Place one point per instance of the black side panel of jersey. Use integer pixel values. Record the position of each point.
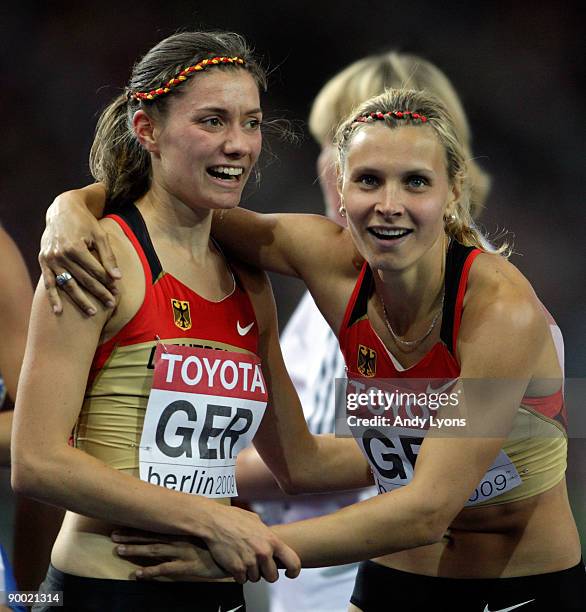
(455, 260)
(360, 307)
(133, 218)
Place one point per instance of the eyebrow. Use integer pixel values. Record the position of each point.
(220, 110)
(408, 170)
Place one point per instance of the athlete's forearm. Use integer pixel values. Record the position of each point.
(92, 197)
(334, 464)
(253, 238)
(381, 525)
(74, 480)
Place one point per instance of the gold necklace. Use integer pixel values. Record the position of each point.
(418, 341)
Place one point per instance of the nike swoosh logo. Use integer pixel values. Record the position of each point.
(430, 389)
(243, 331)
(509, 608)
(232, 610)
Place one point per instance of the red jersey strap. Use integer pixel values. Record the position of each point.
(357, 304)
(135, 243)
(133, 225)
(460, 296)
(458, 262)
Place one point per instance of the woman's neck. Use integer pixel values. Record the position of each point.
(171, 221)
(414, 294)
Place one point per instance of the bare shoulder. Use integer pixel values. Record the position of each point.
(502, 314)
(501, 286)
(116, 234)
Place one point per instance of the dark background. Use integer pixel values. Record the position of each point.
(517, 65)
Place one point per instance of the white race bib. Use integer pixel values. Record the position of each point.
(204, 407)
(501, 477)
(392, 460)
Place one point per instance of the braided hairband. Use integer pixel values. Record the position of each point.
(183, 76)
(370, 117)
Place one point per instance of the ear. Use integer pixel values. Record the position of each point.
(144, 128)
(454, 195)
(339, 180)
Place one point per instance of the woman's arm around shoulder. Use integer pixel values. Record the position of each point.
(71, 235)
(310, 247)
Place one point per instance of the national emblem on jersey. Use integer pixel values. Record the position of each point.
(366, 361)
(181, 314)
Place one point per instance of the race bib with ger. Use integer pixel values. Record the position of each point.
(392, 460)
(204, 407)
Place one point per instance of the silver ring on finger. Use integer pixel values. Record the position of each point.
(63, 278)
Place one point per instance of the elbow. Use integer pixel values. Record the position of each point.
(28, 474)
(23, 479)
(434, 524)
(296, 482)
(433, 531)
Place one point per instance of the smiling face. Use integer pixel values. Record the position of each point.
(205, 147)
(396, 192)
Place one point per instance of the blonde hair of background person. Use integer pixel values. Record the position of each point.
(394, 173)
(369, 77)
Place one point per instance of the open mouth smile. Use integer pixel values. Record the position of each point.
(226, 173)
(389, 234)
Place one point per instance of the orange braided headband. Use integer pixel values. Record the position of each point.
(370, 117)
(183, 76)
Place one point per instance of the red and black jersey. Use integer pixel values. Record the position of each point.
(120, 380)
(537, 443)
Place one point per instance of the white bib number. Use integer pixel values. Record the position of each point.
(392, 459)
(204, 407)
(501, 477)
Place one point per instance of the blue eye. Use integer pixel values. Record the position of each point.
(417, 182)
(368, 180)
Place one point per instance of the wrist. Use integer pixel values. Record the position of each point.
(202, 517)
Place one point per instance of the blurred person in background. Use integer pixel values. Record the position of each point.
(15, 303)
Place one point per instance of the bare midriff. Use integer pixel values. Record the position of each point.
(532, 536)
(84, 548)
